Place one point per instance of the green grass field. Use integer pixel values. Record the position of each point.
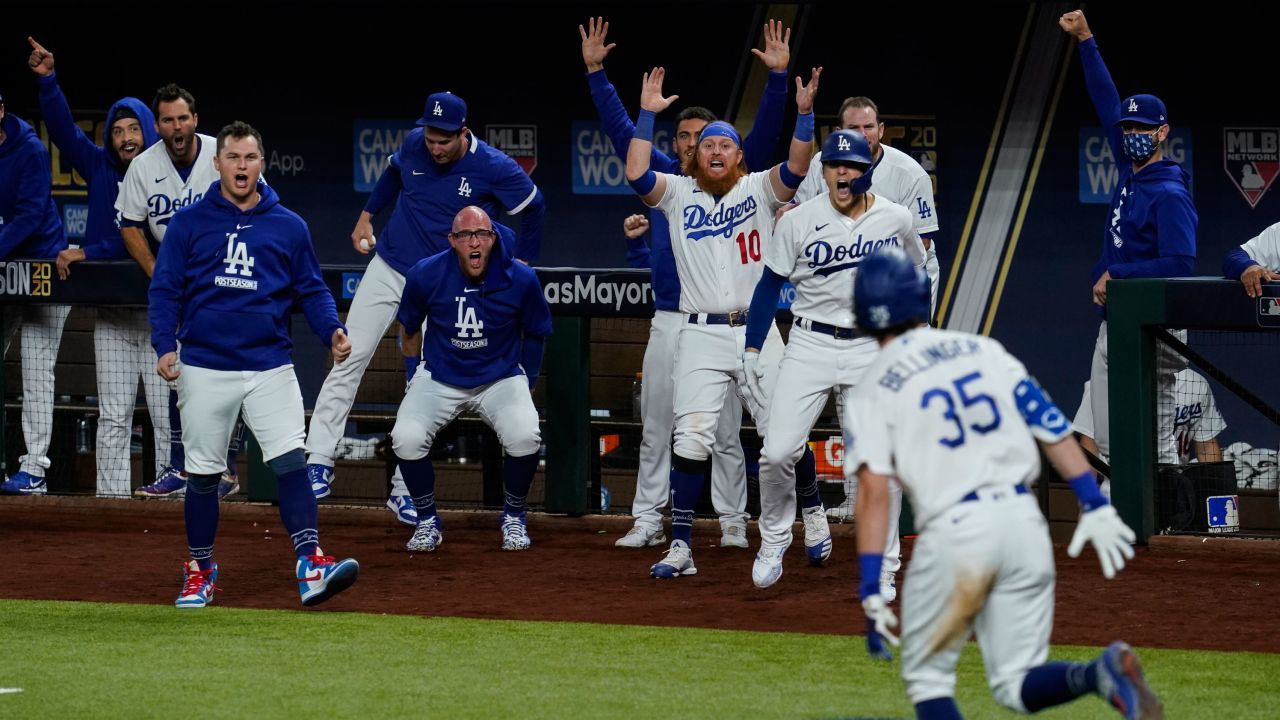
(88, 660)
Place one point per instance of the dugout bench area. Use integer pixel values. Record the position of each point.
(590, 432)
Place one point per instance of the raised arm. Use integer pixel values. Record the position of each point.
(1097, 78)
(613, 116)
(758, 146)
(786, 177)
(648, 185)
(63, 131)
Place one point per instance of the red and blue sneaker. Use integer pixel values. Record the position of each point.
(197, 586)
(320, 577)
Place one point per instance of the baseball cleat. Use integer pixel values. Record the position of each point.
(403, 507)
(640, 536)
(1121, 682)
(321, 477)
(817, 535)
(197, 586)
(734, 536)
(679, 561)
(320, 577)
(228, 485)
(768, 566)
(515, 536)
(170, 482)
(426, 536)
(23, 483)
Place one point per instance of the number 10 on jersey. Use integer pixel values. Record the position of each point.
(749, 246)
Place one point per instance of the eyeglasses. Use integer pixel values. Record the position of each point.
(465, 235)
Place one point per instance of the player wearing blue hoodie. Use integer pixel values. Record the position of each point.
(121, 341)
(1151, 228)
(230, 269)
(31, 228)
(487, 321)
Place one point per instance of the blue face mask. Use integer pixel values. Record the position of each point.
(1139, 146)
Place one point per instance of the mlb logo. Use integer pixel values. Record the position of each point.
(1268, 311)
(1251, 158)
(1223, 512)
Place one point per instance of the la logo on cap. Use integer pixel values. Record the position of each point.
(842, 144)
(437, 110)
(1133, 105)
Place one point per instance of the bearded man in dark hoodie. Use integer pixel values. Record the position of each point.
(121, 336)
(1151, 228)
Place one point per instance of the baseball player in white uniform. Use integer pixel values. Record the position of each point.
(898, 178)
(818, 248)
(1255, 262)
(955, 419)
(161, 180)
(228, 274)
(1195, 421)
(721, 222)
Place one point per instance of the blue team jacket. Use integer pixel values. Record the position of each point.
(226, 280)
(475, 330)
(99, 166)
(29, 223)
(429, 195)
(1151, 228)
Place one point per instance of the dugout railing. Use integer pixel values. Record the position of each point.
(577, 406)
(1145, 320)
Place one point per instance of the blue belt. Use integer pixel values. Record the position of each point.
(736, 318)
(1018, 489)
(838, 333)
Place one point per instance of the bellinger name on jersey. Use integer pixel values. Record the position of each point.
(897, 374)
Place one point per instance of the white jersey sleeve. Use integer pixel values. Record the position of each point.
(901, 179)
(131, 203)
(1265, 248)
(814, 184)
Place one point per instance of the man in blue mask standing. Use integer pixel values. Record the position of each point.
(1151, 228)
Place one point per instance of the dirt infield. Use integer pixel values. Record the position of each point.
(1178, 593)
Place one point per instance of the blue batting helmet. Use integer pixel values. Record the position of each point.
(888, 290)
(846, 146)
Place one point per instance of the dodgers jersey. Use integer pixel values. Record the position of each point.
(819, 250)
(226, 280)
(431, 195)
(896, 176)
(474, 330)
(718, 242)
(937, 409)
(153, 189)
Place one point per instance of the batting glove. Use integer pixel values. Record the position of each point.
(1108, 534)
(751, 380)
(880, 622)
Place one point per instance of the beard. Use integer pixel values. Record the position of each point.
(715, 186)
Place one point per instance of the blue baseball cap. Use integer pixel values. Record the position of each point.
(444, 111)
(1145, 109)
(720, 128)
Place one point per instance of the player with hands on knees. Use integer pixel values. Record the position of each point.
(955, 419)
(721, 220)
(230, 269)
(487, 321)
